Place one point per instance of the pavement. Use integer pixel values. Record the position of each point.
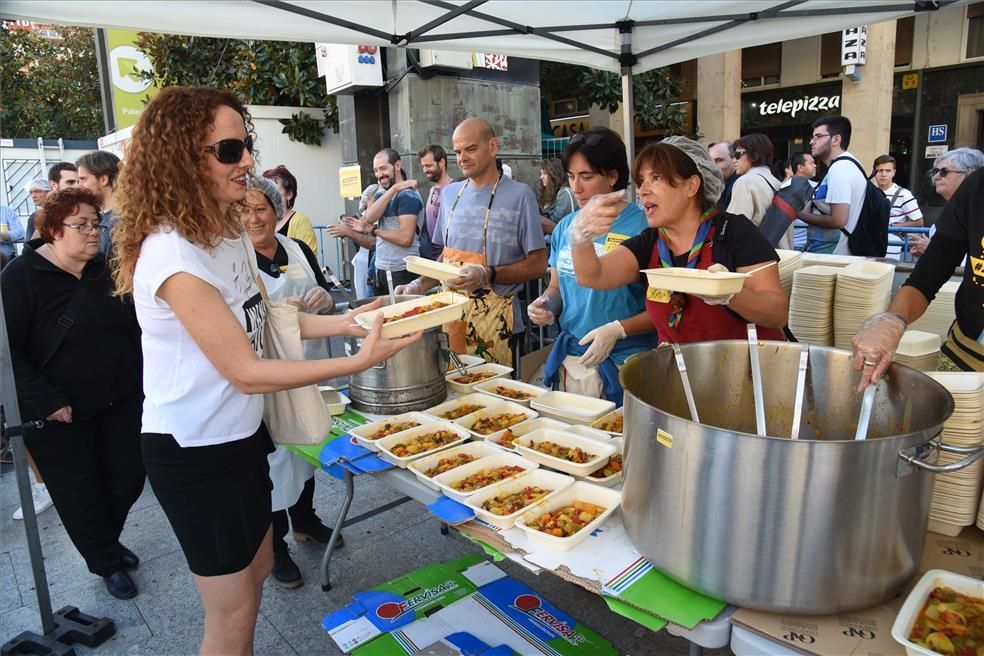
(166, 617)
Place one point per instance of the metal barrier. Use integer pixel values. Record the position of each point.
(903, 235)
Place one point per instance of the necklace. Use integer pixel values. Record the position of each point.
(488, 213)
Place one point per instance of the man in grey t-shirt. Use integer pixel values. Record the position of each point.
(489, 224)
(394, 213)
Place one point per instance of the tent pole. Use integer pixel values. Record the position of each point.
(628, 102)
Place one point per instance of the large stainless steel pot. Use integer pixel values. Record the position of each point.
(413, 379)
(821, 524)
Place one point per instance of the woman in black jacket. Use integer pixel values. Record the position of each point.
(84, 381)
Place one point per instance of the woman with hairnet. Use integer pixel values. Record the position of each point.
(679, 185)
(291, 274)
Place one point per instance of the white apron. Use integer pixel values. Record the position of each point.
(289, 472)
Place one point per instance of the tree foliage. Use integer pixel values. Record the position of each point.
(263, 72)
(49, 87)
(653, 92)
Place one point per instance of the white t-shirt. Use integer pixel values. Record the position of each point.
(185, 395)
(846, 184)
(905, 207)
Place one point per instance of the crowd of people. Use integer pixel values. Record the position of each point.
(136, 312)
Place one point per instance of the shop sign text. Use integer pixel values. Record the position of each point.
(805, 104)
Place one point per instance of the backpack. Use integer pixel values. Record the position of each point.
(870, 236)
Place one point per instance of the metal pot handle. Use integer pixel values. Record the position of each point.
(915, 457)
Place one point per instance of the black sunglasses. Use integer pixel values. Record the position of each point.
(592, 139)
(230, 151)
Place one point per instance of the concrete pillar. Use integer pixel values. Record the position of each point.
(868, 103)
(719, 97)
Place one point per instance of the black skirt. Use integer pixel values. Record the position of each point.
(217, 498)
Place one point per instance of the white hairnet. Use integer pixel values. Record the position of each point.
(37, 184)
(709, 172)
(269, 189)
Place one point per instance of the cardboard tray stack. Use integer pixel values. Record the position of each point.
(789, 262)
(919, 350)
(811, 304)
(863, 290)
(940, 313)
(956, 496)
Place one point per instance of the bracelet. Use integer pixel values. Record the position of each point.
(492, 276)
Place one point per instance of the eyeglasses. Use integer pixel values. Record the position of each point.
(818, 136)
(592, 139)
(944, 172)
(85, 228)
(740, 153)
(230, 151)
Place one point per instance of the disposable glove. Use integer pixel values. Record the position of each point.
(543, 311)
(473, 276)
(602, 340)
(874, 346)
(596, 217)
(716, 300)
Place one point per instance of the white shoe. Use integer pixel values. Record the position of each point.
(42, 501)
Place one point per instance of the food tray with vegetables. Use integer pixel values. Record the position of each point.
(510, 390)
(504, 439)
(461, 407)
(429, 467)
(502, 504)
(465, 384)
(612, 423)
(369, 434)
(569, 517)
(416, 314)
(401, 448)
(944, 614)
(491, 471)
(609, 474)
(571, 454)
(496, 418)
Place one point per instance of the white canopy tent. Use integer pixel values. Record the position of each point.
(627, 36)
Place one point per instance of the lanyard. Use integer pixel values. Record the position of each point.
(666, 259)
(488, 213)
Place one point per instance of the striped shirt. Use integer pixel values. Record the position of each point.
(905, 207)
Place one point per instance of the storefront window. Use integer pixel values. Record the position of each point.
(975, 30)
(761, 65)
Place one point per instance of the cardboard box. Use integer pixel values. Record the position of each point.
(867, 632)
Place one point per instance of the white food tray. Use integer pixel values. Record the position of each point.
(696, 281)
(917, 599)
(619, 412)
(546, 480)
(468, 360)
(430, 319)
(489, 386)
(430, 268)
(483, 400)
(477, 449)
(334, 400)
(362, 433)
(386, 443)
(579, 491)
(573, 407)
(588, 432)
(614, 479)
(499, 371)
(446, 481)
(497, 408)
(600, 450)
(528, 426)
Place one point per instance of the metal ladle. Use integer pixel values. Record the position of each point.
(867, 402)
(682, 368)
(753, 355)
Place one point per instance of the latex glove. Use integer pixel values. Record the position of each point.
(539, 311)
(473, 276)
(602, 340)
(917, 245)
(315, 299)
(716, 300)
(596, 217)
(410, 289)
(874, 346)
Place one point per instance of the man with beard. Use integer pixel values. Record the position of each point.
(489, 225)
(393, 217)
(434, 161)
(97, 173)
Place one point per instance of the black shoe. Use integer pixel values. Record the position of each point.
(316, 532)
(285, 572)
(120, 585)
(129, 559)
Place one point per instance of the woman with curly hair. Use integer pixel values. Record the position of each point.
(556, 200)
(83, 380)
(181, 253)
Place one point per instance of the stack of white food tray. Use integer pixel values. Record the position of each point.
(571, 408)
(828, 259)
(940, 313)
(334, 400)
(789, 262)
(957, 495)
(863, 290)
(919, 350)
(465, 383)
(417, 314)
(811, 304)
